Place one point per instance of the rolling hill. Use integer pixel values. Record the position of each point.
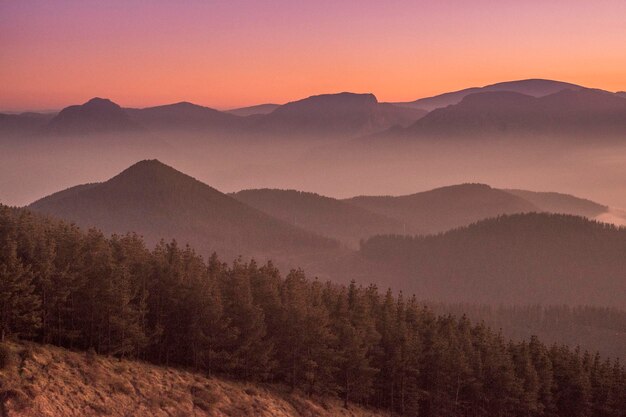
(445, 208)
(157, 201)
(327, 216)
(530, 87)
(517, 259)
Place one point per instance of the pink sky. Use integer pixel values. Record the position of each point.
(232, 53)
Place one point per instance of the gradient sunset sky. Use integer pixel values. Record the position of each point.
(233, 53)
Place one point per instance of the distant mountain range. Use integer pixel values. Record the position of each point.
(526, 107)
(343, 115)
(531, 87)
(570, 113)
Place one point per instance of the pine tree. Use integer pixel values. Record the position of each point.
(19, 305)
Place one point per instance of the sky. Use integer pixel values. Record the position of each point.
(233, 53)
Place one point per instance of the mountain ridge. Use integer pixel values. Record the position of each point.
(157, 201)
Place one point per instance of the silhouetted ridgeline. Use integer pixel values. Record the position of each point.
(514, 259)
(81, 290)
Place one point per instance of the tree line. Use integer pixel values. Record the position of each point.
(82, 290)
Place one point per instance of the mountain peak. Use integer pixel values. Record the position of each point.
(151, 170)
(98, 102)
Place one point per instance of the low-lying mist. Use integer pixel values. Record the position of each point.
(30, 169)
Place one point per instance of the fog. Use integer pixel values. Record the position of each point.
(31, 169)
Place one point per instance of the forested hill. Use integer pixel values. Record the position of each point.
(512, 259)
(327, 216)
(157, 201)
(444, 208)
(61, 286)
(552, 202)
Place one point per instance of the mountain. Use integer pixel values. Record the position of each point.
(98, 115)
(561, 203)
(336, 115)
(23, 123)
(157, 201)
(318, 214)
(530, 87)
(183, 116)
(254, 110)
(568, 113)
(516, 259)
(621, 93)
(444, 208)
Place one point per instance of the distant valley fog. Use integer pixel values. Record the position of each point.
(347, 168)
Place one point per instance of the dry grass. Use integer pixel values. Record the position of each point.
(49, 381)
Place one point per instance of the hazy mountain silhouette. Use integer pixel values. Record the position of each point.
(621, 93)
(516, 259)
(23, 123)
(561, 203)
(183, 116)
(254, 110)
(567, 113)
(98, 115)
(157, 201)
(445, 208)
(324, 215)
(530, 87)
(343, 114)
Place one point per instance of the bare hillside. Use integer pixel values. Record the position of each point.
(48, 381)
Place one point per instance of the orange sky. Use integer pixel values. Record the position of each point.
(233, 53)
